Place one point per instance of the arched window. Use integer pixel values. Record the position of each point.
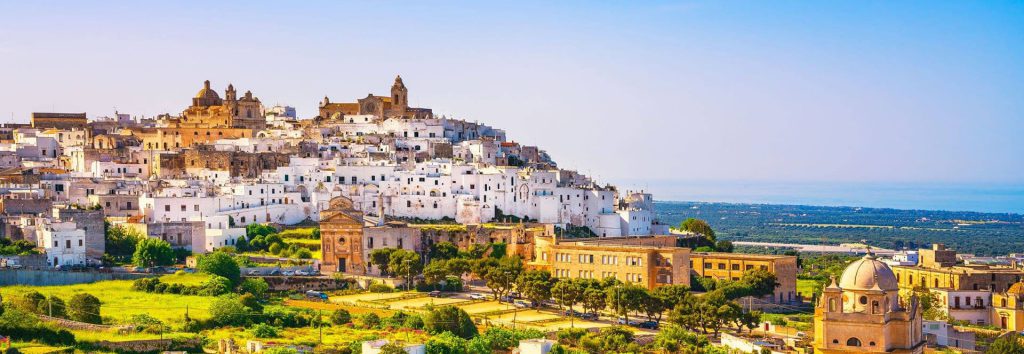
(874, 307)
(831, 305)
(871, 344)
(853, 342)
(936, 282)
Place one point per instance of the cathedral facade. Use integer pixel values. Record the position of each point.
(396, 105)
(208, 110)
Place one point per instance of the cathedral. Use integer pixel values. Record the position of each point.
(863, 313)
(394, 106)
(208, 110)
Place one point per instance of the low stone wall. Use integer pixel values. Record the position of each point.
(69, 324)
(148, 345)
(53, 277)
(283, 283)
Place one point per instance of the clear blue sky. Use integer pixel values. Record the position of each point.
(929, 91)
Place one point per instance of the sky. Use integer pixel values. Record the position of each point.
(782, 91)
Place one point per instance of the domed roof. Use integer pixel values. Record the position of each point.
(1016, 289)
(206, 92)
(868, 273)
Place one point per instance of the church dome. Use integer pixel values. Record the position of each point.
(206, 92)
(1016, 289)
(868, 273)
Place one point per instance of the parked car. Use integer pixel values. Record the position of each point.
(478, 296)
(288, 273)
(434, 293)
(302, 272)
(648, 325)
(622, 321)
(572, 313)
(521, 304)
(316, 295)
(253, 272)
(589, 316)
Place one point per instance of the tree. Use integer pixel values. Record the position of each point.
(567, 292)
(255, 286)
(699, 227)
(446, 343)
(449, 318)
(593, 300)
(626, 298)
(151, 252)
(340, 317)
(653, 306)
(53, 306)
(381, 258)
(501, 274)
(84, 307)
(724, 246)
(254, 230)
(263, 330)
(435, 272)
(443, 250)
(220, 263)
(215, 286)
(672, 295)
(1007, 344)
(535, 285)
(228, 310)
(121, 240)
(407, 264)
(370, 320)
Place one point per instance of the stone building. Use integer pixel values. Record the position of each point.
(1008, 308)
(863, 313)
(937, 268)
(62, 121)
(731, 266)
(341, 238)
(647, 262)
(208, 110)
(396, 105)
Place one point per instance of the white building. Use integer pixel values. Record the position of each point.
(63, 242)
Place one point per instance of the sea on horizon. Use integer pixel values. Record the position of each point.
(986, 198)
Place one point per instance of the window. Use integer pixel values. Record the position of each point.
(735, 267)
(853, 342)
(863, 300)
(167, 207)
(707, 265)
(721, 265)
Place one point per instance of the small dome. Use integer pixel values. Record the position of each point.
(868, 273)
(1016, 289)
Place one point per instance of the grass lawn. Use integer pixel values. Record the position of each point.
(119, 301)
(806, 288)
(331, 306)
(421, 302)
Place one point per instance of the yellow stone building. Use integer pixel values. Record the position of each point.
(863, 313)
(937, 268)
(654, 263)
(1008, 308)
(731, 266)
(396, 105)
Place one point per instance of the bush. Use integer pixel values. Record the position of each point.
(380, 288)
(340, 317)
(53, 306)
(228, 310)
(21, 325)
(450, 319)
(370, 320)
(264, 330)
(216, 285)
(160, 288)
(174, 288)
(255, 286)
(303, 253)
(84, 307)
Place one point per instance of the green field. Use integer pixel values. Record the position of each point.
(120, 302)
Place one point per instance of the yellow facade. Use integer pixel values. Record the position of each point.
(957, 277)
(1008, 308)
(731, 266)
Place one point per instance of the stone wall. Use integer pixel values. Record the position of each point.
(282, 283)
(53, 277)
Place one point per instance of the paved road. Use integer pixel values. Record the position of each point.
(816, 248)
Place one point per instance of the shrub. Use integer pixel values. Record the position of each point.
(174, 288)
(160, 288)
(84, 307)
(228, 310)
(340, 317)
(264, 330)
(450, 319)
(255, 286)
(380, 288)
(53, 306)
(370, 320)
(216, 285)
(303, 253)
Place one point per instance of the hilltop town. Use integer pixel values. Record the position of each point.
(375, 226)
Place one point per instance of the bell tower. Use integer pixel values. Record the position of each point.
(399, 96)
